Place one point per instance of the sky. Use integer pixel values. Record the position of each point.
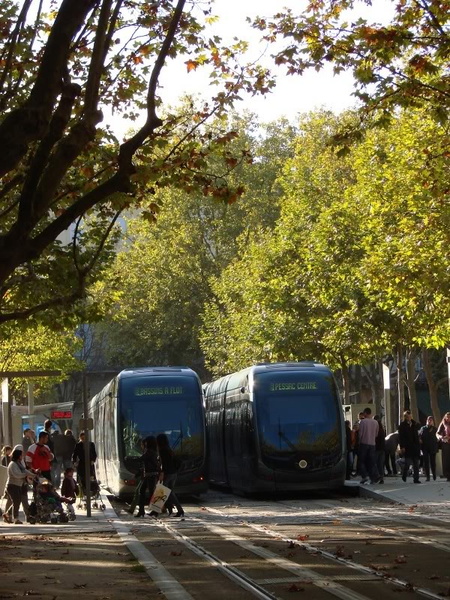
(293, 94)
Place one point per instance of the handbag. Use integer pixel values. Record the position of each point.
(159, 498)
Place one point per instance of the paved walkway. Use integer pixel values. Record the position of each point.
(99, 521)
(428, 493)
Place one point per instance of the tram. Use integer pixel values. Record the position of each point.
(148, 401)
(275, 427)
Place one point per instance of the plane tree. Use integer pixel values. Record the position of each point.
(154, 294)
(357, 265)
(402, 63)
(63, 67)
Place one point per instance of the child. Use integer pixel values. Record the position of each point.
(6, 455)
(52, 498)
(70, 489)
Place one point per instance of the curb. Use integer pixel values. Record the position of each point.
(366, 492)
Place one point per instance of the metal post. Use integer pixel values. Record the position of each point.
(6, 413)
(31, 402)
(87, 443)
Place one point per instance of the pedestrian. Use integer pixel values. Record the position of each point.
(39, 456)
(356, 441)
(368, 431)
(28, 439)
(64, 449)
(430, 445)
(48, 430)
(136, 467)
(170, 465)
(6, 455)
(380, 448)
(68, 448)
(443, 434)
(70, 489)
(17, 487)
(26, 507)
(349, 437)
(409, 442)
(79, 460)
(57, 463)
(390, 450)
(151, 471)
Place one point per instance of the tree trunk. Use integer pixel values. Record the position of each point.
(432, 387)
(373, 377)
(411, 356)
(400, 383)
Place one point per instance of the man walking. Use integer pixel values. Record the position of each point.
(368, 431)
(409, 442)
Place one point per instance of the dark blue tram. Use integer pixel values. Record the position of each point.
(147, 401)
(276, 427)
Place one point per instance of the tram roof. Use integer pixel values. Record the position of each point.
(236, 378)
(155, 371)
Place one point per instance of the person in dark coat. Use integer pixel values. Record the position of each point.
(48, 430)
(151, 471)
(169, 470)
(409, 442)
(427, 435)
(79, 460)
(349, 449)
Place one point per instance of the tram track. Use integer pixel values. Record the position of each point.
(352, 564)
(223, 526)
(389, 530)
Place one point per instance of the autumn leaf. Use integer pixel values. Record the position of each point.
(191, 65)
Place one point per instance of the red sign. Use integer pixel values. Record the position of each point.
(61, 414)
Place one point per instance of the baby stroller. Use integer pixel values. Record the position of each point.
(47, 506)
(94, 487)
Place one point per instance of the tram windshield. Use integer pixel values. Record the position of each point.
(297, 412)
(149, 406)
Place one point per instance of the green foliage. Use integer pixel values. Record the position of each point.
(401, 64)
(60, 71)
(156, 291)
(358, 261)
(34, 348)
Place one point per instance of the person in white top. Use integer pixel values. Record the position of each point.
(368, 431)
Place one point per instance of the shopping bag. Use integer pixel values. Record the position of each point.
(159, 497)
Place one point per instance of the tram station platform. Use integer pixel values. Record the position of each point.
(427, 493)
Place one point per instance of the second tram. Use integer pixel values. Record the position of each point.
(143, 402)
(276, 427)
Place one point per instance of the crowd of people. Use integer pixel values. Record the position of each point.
(372, 455)
(44, 465)
(38, 463)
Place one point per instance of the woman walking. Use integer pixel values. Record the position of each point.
(16, 487)
(150, 474)
(443, 434)
(169, 470)
(427, 435)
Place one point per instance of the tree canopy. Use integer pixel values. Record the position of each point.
(62, 65)
(400, 64)
(154, 294)
(356, 264)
